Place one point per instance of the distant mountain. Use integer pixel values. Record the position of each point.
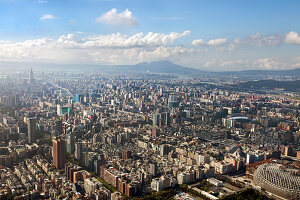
(162, 67)
(290, 72)
(148, 67)
(145, 67)
(152, 67)
(293, 86)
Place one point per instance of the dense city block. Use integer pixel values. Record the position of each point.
(68, 135)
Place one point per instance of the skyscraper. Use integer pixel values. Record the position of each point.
(31, 124)
(156, 119)
(59, 151)
(78, 150)
(70, 142)
(172, 102)
(58, 127)
(31, 77)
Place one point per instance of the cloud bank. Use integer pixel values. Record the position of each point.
(117, 48)
(102, 49)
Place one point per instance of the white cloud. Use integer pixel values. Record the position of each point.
(217, 42)
(292, 38)
(247, 64)
(47, 16)
(266, 63)
(198, 42)
(233, 63)
(112, 17)
(213, 42)
(118, 48)
(210, 63)
(257, 39)
(263, 40)
(226, 64)
(103, 49)
(119, 40)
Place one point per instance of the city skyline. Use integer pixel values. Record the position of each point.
(150, 99)
(206, 35)
(123, 136)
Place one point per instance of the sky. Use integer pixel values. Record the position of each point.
(212, 35)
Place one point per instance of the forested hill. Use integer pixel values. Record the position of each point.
(293, 86)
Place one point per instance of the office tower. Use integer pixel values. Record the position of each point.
(78, 98)
(31, 77)
(153, 169)
(164, 150)
(165, 118)
(59, 150)
(172, 102)
(78, 150)
(172, 98)
(16, 99)
(156, 119)
(68, 144)
(58, 127)
(70, 140)
(31, 124)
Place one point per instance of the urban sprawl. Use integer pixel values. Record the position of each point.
(67, 135)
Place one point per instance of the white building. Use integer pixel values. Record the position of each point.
(215, 182)
(91, 184)
(159, 184)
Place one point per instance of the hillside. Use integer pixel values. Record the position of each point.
(273, 84)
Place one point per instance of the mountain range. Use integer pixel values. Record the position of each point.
(146, 67)
(171, 68)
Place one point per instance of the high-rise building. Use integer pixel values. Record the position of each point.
(156, 119)
(78, 150)
(172, 98)
(165, 118)
(31, 124)
(70, 140)
(31, 80)
(153, 169)
(58, 127)
(172, 102)
(59, 151)
(163, 150)
(78, 98)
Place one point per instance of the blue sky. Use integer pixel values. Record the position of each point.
(205, 34)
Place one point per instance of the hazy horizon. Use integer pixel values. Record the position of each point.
(205, 35)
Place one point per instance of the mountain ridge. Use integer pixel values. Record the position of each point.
(272, 84)
(163, 66)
